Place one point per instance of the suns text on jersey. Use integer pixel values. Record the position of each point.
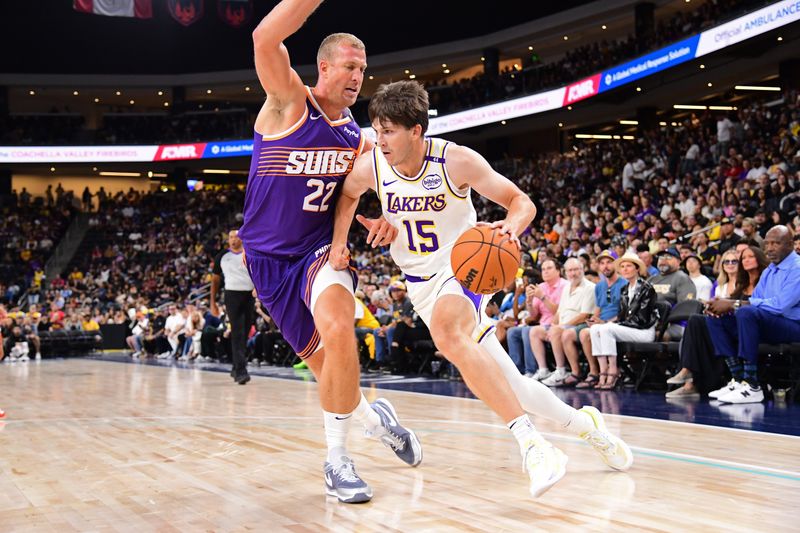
(410, 204)
(316, 162)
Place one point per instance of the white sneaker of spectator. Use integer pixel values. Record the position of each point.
(38, 356)
(556, 379)
(541, 374)
(743, 394)
(731, 386)
(19, 352)
(165, 355)
(136, 355)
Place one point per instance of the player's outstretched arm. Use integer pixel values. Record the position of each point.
(468, 168)
(355, 184)
(277, 77)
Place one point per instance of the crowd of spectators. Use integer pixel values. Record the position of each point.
(149, 249)
(30, 228)
(158, 128)
(691, 203)
(126, 127)
(141, 252)
(54, 128)
(681, 204)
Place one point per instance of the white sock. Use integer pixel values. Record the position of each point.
(535, 397)
(523, 431)
(366, 415)
(336, 428)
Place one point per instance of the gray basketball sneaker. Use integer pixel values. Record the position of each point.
(343, 482)
(402, 441)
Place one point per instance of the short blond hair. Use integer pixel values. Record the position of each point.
(333, 40)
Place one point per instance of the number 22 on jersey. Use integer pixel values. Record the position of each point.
(320, 188)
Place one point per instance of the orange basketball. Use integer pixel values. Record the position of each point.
(484, 260)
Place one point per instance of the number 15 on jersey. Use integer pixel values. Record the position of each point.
(421, 239)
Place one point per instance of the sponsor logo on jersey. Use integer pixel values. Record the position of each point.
(431, 181)
(414, 204)
(316, 162)
(350, 132)
(322, 250)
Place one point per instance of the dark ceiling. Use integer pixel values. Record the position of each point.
(48, 37)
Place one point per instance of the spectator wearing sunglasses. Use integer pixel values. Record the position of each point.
(726, 281)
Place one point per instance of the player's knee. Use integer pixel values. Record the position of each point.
(449, 339)
(334, 325)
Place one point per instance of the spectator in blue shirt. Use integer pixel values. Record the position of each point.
(643, 251)
(606, 297)
(771, 316)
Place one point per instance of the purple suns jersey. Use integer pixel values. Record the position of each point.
(295, 179)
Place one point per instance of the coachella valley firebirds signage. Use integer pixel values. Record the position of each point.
(235, 13)
(186, 12)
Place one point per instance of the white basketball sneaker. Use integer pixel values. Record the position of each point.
(613, 450)
(545, 465)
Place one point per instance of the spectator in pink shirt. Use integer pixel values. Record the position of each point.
(544, 304)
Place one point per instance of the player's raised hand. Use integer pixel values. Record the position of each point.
(380, 233)
(505, 228)
(339, 258)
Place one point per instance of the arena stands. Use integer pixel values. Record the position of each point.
(30, 229)
(448, 97)
(221, 119)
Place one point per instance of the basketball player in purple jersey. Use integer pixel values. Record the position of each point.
(305, 144)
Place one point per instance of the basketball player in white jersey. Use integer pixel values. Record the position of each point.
(424, 185)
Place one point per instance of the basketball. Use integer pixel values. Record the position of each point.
(484, 260)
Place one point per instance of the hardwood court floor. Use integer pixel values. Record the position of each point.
(101, 446)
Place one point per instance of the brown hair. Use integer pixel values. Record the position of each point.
(743, 276)
(333, 40)
(404, 103)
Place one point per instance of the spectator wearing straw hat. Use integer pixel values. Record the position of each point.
(635, 323)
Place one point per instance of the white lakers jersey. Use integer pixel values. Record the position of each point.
(427, 209)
